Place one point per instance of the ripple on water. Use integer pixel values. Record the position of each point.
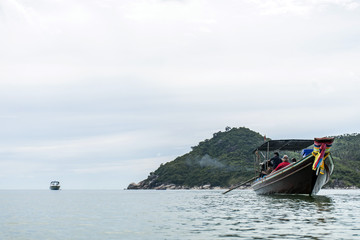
(172, 215)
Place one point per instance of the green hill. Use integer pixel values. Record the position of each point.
(227, 159)
(346, 154)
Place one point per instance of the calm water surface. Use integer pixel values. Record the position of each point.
(155, 215)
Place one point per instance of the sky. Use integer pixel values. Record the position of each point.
(98, 93)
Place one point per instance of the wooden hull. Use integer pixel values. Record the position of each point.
(297, 178)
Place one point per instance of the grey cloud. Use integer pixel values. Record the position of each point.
(107, 82)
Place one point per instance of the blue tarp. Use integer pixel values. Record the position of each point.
(306, 152)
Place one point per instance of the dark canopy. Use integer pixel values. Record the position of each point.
(285, 145)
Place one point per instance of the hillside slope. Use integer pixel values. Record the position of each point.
(223, 160)
(346, 154)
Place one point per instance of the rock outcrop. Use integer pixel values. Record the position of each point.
(148, 185)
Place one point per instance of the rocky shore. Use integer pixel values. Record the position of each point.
(144, 185)
(138, 186)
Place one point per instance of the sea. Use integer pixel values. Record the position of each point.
(177, 214)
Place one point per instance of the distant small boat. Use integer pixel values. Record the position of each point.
(306, 176)
(54, 185)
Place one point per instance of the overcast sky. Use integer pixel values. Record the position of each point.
(98, 93)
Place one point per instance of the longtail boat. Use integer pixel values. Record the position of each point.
(306, 176)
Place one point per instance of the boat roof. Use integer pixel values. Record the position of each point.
(285, 145)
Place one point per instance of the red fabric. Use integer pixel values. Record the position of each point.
(281, 165)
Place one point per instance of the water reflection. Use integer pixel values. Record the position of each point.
(279, 216)
(299, 197)
(298, 202)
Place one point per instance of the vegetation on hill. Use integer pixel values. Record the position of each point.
(346, 154)
(223, 160)
(227, 159)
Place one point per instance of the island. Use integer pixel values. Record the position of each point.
(227, 159)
